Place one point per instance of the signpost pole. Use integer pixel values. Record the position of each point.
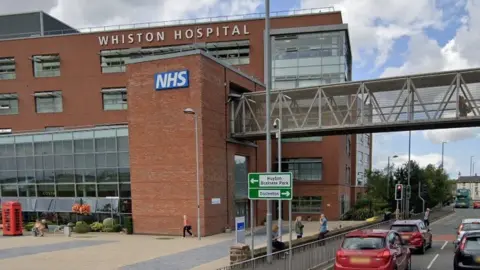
(252, 230)
(278, 122)
(290, 267)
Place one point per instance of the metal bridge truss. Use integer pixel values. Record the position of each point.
(425, 101)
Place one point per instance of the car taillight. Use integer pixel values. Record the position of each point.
(385, 254)
(462, 244)
(416, 235)
(341, 255)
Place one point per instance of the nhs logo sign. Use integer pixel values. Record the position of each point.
(171, 80)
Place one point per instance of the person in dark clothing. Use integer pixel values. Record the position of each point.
(277, 244)
(187, 228)
(463, 107)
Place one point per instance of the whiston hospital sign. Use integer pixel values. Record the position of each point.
(181, 34)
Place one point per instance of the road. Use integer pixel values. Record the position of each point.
(440, 256)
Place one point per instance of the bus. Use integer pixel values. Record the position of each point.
(463, 198)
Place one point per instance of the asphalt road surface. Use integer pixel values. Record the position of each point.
(440, 256)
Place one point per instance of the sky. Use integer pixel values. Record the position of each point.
(388, 38)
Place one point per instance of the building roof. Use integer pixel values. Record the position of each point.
(67, 30)
(469, 179)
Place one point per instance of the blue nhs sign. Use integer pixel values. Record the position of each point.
(171, 80)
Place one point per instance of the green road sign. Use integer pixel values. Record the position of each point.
(270, 186)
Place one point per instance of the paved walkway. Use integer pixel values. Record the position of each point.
(116, 251)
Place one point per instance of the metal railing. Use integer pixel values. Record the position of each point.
(318, 254)
(204, 20)
(307, 256)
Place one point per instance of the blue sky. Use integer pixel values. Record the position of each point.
(388, 37)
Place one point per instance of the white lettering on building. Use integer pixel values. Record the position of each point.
(182, 34)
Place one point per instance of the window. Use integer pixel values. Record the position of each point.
(363, 243)
(347, 175)
(113, 61)
(307, 204)
(114, 99)
(241, 177)
(8, 104)
(48, 102)
(303, 139)
(304, 169)
(46, 65)
(348, 138)
(7, 68)
(233, 52)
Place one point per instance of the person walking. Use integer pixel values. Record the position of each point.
(426, 217)
(187, 228)
(299, 227)
(323, 228)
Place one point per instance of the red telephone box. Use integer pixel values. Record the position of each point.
(12, 219)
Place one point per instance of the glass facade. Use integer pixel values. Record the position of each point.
(310, 59)
(49, 172)
(303, 169)
(307, 204)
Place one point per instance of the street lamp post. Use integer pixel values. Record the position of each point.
(388, 175)
(278, 123)
(407, 200)
(195, 118)
(471, 163)
(443, 148)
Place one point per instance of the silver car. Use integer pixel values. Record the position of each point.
(467, 225)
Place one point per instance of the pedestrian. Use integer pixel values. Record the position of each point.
(323, 228)
(299, 227)
(277, 244)
(187, 228)
(426, 217)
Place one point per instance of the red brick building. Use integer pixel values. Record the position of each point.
(88, 92)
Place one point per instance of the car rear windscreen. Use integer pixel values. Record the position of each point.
(363, 243)
(471, 226)
(404, 228)
(472, 243)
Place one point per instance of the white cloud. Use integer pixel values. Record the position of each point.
(376, 25)
(422, 160)
(451, 135)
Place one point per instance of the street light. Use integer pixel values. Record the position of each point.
(443, 148)
(277, 123)
(388, 175)
(471, 163)
(195, 118)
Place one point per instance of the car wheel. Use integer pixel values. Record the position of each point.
(423, 248)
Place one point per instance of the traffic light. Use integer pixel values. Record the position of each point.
(409, 192)
(398, 192)
(424, 190)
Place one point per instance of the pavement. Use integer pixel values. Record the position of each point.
(128, 252)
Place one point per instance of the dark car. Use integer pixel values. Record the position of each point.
(373, 250)
(467, 253)
(415, 233)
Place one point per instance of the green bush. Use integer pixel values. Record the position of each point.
(82, 227)
(129, 224)
(96, 227)
(109, 222)
(117, 228)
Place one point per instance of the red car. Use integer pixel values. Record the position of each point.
(415, 233)
(476, 205)
(373, 249)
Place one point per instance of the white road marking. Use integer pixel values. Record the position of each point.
(446, 242)
(433, 222)
(328, 267)
(431, 263)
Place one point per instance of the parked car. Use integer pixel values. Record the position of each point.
(467, 253)
(476, 205)
(415, 232)
(373, 249)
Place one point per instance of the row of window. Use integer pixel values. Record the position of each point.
(52, 101)
(64, 205)
(66, 190)
(112, 61)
